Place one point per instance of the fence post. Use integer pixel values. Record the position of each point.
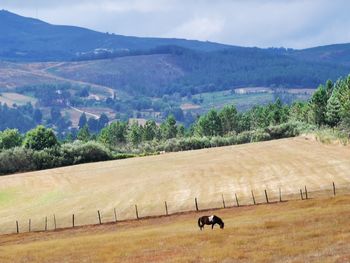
(17, 227)
(253, 197)
(196, 203)
(333, 189)
(45, 223)
(267, 198)
(306, 196)
(29, 225)
(280, 194)
(73, 221)
(237, 200)
(166, 208)
(115, 215)
(54, 221)
(223, 201)
(301, 195)
(137, 212)
(99, 217)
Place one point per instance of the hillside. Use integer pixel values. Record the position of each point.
(177, 178)
(297, 231)
(176, 65)
(29, 39)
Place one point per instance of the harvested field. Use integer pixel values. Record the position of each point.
(177, 178)
(298, 231)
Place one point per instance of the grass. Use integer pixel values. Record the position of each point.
(332, 136)
(315, 230)
(177, 178)
(15, 98)
(241, 101)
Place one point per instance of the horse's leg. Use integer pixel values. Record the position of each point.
(212, 226)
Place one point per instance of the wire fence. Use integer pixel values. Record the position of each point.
(138, 211)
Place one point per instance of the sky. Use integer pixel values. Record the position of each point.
(261, 23)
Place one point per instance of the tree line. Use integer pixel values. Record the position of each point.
(40, 147)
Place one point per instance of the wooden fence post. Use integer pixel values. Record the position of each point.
(45, 223)
(280, 194)
(29, 225)
(99, 217)
(166, 208)
(223, 201)
(17, 227)
(253, 197)
(196, 203)
(237, 200)
(137, 212)
(333, 189)
(115, 215)
(54, 221)
(73, 221)
(267, 198)
(301, 195)
(306, 195)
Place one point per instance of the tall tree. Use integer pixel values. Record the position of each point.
(149, 130)
(228, 117)
(318, 104)
(40, 138)
(333, 110)
(135, 133)
(209, 124)
(84, 134)
(82, 121)
(113, 134)
(102, 121)
(168, 128)
(10, 138)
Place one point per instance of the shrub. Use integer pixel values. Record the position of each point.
(79, 152)
(16, 160)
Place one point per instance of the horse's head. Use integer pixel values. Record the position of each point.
(222, 225)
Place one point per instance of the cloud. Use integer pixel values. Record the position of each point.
(200, 28)
(289, 23)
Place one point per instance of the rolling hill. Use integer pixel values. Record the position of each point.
(177, 178)
(29, 39)
(295, 231)
(158, 66)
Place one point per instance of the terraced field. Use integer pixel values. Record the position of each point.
(177, 178)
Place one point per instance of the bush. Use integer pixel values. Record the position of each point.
(259, 136)
(16, 160)
(79, 152)
(244, 137)
(285, 130)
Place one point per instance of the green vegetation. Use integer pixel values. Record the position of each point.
(328, 108)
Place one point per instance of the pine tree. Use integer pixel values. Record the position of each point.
(82, 121)
(318, 104)
(84, 134)
(333, 110)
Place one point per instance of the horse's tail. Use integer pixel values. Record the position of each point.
(199, 222)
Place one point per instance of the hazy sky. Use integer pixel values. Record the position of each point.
(263, 23)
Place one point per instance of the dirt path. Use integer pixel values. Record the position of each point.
(87, 113)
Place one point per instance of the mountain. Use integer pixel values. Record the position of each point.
(28, 39)
(157, 66)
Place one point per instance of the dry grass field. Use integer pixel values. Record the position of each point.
(315, 230)
(177, 178)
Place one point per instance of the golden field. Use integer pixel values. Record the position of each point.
(177, 178)
(315, 230)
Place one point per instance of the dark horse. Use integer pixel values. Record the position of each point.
(210, 220)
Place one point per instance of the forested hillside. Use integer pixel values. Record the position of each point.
(120, 78)
(329, 107)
